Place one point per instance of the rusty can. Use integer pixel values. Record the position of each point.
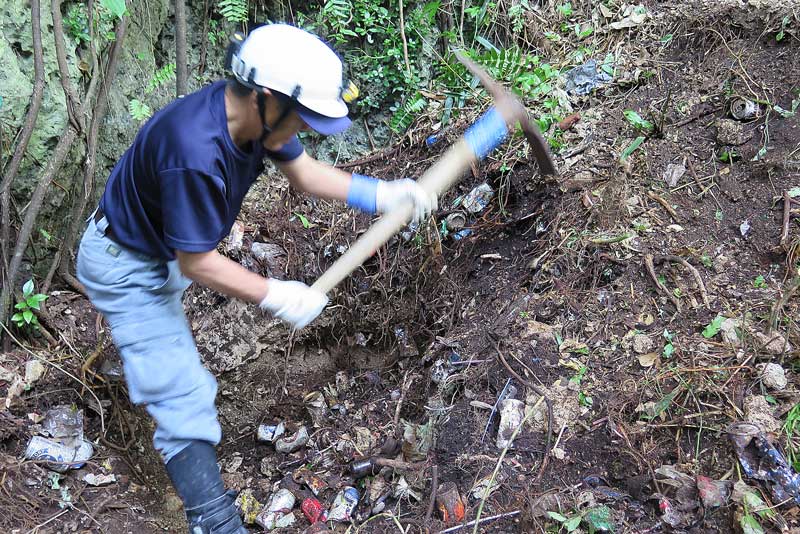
(344, 505)
(449, 503)
(313, 510)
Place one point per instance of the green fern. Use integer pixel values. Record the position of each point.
(404, 116)
(160, 77)
(337, 16)
(139, 110)
(233, 10)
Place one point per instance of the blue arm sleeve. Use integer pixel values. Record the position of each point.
(288, 152)
(488, 132)
(194, 209)
(362, 193)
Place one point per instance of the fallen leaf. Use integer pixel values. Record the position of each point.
(647, 360)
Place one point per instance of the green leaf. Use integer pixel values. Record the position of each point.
(713, 327)
(599, 519)
(662, 405)
(39, 297)
(21, 306)
(666, 39)
(303, 220)
(116, 7)
(139, 110)
(28, 316)
(558, 517)
(572, 523)
(17, 318)
(637, 121)
(793, 192)
(669, 349)
(486, 43)
(632, 148)
(33, 303)
(27, 289)
(750, 525)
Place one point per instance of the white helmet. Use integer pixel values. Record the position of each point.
(297, 64)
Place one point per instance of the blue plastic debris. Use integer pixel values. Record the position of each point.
(762, 461)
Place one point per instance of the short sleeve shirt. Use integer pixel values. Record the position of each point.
(181, 184)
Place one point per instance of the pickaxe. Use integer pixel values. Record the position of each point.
(478, 141)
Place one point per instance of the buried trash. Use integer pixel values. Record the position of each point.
(762, 461)
(450, 503)
(278, 511)
(583, 79)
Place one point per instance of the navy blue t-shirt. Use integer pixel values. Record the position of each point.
(181, 184)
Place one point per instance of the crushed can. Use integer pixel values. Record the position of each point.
(364, 467)
(512, 412)
(743, 109)
(59, 458)
(270, 433)
(344, 505)
(278, 511)
(291, 443)
(313, 510)
(450, 503)
(477, 199)
(315, 483)
(456, 221)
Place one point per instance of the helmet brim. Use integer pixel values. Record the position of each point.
(322, 124)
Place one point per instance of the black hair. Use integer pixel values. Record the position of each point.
(238, 88)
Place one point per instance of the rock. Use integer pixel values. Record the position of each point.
(566, 407)
(642, 343)
(728, 329)
(673, 174)
(757, 410)
(269, 255)
(34, 369)
(772, 376)
(773, 343)
(731, 132)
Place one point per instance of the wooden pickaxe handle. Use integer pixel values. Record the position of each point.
(448, 170)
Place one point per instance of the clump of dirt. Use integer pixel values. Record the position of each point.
(599, 287)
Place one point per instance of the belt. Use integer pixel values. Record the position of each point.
(109, 232)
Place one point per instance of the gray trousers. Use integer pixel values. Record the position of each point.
(140, 298)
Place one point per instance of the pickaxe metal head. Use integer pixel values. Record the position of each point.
(512, 110)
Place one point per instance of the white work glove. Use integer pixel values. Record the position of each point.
(389, 195)
(294, 302)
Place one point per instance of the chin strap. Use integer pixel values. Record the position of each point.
(288, 107)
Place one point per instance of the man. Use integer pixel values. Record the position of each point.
(173, 197)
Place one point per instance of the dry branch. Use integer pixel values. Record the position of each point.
(22, 146)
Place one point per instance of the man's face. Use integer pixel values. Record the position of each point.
(288, 128)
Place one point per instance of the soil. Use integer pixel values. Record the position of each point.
(553, 279)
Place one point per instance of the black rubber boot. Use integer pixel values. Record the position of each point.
(195, 475)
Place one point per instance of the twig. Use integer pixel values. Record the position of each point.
(695, 273)
(403, 38)
(497, 469)
(48, 362)
(432, 502)
(547, 403)
(787, 209)
(484, 520)
(693, 118)
(369, 159)
(289, 348)
(666, 206)
(648, 262)
(396, 420)
(399, 464)
(781, 302)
